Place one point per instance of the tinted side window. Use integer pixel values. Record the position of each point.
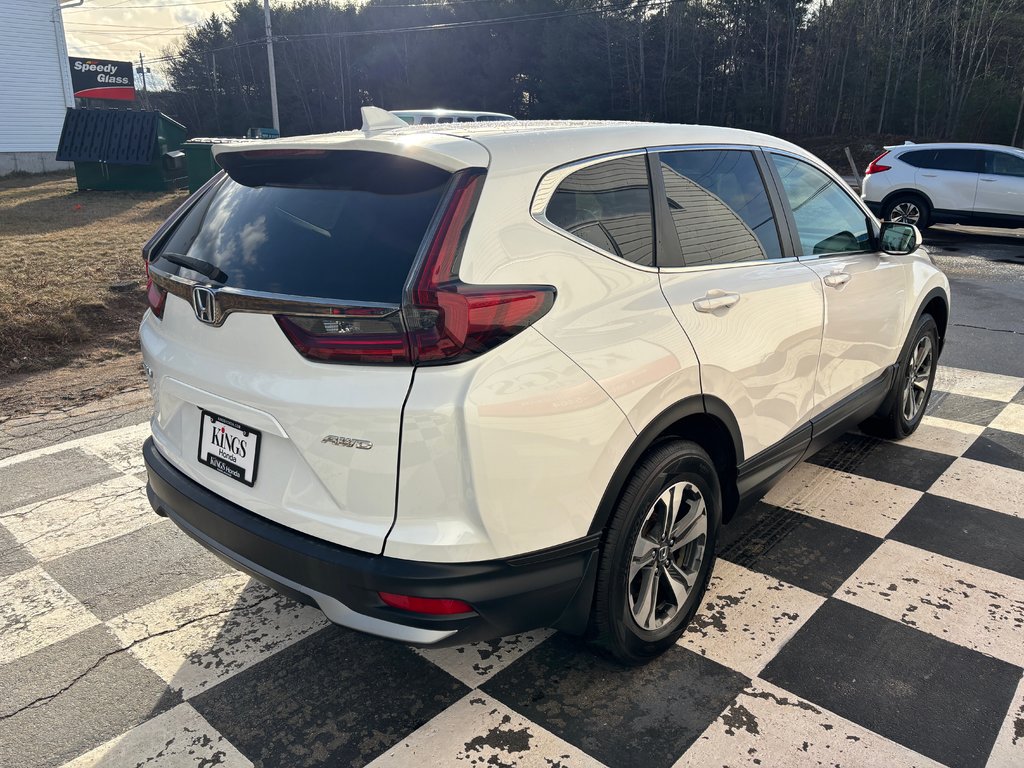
(609, 206)
(967, 160)
(427, 120)
(827, 219)
(1004, 164)
(919, 158)
(719, 206)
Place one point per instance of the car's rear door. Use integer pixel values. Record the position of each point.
(865, 290)
(950, 178)
(752, 312)
(276, 366)
(1001, 185)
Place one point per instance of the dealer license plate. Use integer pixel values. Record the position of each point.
(230, 448)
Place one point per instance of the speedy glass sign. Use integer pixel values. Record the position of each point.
(102, 79)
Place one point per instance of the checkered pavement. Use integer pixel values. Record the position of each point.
(870, 611)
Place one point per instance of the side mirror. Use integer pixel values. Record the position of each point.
(899, 239)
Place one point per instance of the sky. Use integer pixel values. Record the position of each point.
(121, 29)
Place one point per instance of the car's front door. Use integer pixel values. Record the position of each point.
(865, 289)
(1001, 185)
(752, 312)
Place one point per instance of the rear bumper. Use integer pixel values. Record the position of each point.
(551, 588)
(875, 208)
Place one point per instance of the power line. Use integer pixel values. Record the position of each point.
(119, 42)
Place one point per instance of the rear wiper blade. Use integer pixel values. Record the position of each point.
(196, 265)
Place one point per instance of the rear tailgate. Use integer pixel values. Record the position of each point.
(314, 245)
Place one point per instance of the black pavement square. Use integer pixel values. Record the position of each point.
(638, 716)
(50, 475)
(812, 554)
(130, 571)
(942, 700)
(972, 410)
(885, 461)
(997, 447)
(963, 532)
(74, 695)
(335, 698)
(13, 556)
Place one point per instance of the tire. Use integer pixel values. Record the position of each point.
(639, 614)
(915, 377)
(908, 208)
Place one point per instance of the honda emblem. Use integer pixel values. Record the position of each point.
(204, 302)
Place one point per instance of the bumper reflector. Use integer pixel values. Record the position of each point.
(430, 605)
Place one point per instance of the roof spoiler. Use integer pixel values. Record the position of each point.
(896, 146)
(376, 120)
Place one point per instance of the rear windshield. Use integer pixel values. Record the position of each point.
(333, 225)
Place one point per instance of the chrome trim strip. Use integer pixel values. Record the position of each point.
(729, 265)
(229, 300)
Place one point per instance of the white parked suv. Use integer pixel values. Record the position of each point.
(925, 184)
(451, 383)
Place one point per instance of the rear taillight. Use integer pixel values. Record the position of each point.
(449, 320)
(875, 167)
(442, 320)
(155, 295)
(351, 335)
(433, 606)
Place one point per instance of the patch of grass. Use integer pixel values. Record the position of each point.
(71, 273)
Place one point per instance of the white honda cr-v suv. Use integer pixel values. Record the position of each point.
(925, 184)
(450, 383)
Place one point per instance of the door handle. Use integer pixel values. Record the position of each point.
(988, 180)
(930, 175)
(836, 279)
(715, 299)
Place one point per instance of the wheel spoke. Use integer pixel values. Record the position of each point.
(673, 500)
(691, 527)
(646, 602)
(644, 553)
(677, 581)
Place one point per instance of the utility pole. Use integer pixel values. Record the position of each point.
(270, 65)
(142, 70)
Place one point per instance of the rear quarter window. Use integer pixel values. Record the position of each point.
(608, 204)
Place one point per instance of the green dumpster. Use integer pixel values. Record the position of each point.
(199, 161)
(121, 149)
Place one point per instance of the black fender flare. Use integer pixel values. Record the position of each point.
(694, 405)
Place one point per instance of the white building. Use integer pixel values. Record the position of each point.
(35, 84)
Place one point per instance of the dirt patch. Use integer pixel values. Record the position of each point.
(72, 288)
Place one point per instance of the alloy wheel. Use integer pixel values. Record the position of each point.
(667, 556)
(905, 213)
(915, 388)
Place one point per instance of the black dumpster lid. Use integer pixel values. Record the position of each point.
(126, 137)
